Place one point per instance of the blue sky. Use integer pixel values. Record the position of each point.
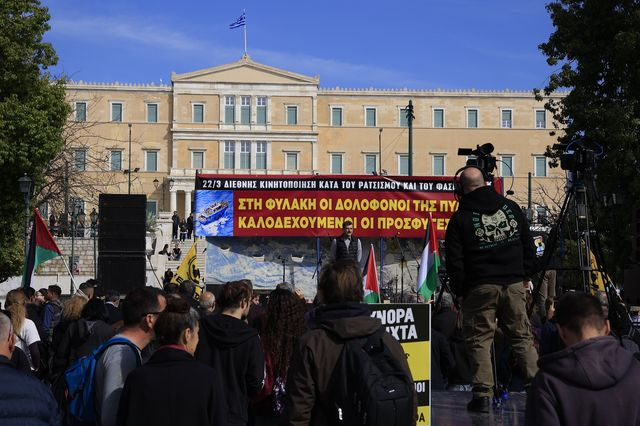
(427, 44)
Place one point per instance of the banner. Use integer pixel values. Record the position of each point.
(316, 206)
(410, 325)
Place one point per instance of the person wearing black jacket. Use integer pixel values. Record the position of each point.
(172, 388)
(233, 349)
(490, 257)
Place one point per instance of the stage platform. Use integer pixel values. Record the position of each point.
(450, 409)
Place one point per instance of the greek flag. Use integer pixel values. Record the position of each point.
(240, 22)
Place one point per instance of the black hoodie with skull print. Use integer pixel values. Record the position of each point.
(488, 242)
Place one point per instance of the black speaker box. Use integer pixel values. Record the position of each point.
(122, 223)
(122, 273)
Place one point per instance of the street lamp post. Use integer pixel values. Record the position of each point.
(74, 219)
(94, 222)
(129, 192)
(26, 183)
(380, 151)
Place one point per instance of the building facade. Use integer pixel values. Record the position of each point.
(249, 118)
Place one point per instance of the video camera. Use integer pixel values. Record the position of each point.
(576, 159)
(483, 158)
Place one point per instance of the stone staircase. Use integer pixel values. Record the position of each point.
(201, 256)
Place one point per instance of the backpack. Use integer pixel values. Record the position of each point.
(79, 380)
(369, 387)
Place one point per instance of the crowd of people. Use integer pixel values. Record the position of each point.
(172, 356)
(166, 358)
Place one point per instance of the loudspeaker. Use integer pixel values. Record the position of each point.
(122, 223)
(123, 273)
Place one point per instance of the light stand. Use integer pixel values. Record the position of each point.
(26, 184)
(94, 223)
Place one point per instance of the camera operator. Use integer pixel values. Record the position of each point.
(489, 257)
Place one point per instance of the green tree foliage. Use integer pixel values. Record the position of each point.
(595, 49)
(33, 112)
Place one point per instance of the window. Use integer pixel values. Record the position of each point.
(245, 109)
(229, 109)
(229, 155)
(151, 161)
(81, 111)
(261, 155)
(152, 113)
(370, 163)
(336, 164)
(336, 116)
(292, 161)
(198, 113)
(404, 121)
(438, 165)
(370, 117)
(261, 111)
(116, 111)
(507, 165)
(292, 114)
(403, 164)
(197, 160)
(438, 118)
(540, 166)
(115, 160)
(472, 118)
(245, 155)
(541, 119)
(152, 208)
(80, 160)
(505, 118)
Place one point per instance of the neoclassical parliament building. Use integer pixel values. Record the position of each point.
(250, 118)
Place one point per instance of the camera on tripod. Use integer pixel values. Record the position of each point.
(579, 159)
(483, 158)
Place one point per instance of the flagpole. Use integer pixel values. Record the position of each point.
(73, 283)
(244, 12)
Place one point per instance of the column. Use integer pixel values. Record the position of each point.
(187, 203)
(173, 201)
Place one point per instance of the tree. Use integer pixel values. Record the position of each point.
(596, 44)
(33, 112)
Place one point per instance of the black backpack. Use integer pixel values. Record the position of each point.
(369, 387)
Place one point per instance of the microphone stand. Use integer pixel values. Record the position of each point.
(402, 260)
(284, 261)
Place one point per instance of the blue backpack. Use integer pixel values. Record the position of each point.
(79, 379)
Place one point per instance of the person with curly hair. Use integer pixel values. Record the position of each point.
(24, 329)
(284, 323)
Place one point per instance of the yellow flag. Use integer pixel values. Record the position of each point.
(597, 277)
(188, 270)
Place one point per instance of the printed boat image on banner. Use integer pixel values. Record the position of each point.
(214, 213)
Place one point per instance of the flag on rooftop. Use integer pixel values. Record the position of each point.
(429, 263)
(240, 22)
(42, 247)
(370, 279)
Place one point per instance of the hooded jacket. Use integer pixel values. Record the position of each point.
(593, 382)
(316, 354)
(233, 349)
(488, 242)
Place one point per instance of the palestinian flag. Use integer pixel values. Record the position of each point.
(42, 247)
(429, 263)
(370, 280)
